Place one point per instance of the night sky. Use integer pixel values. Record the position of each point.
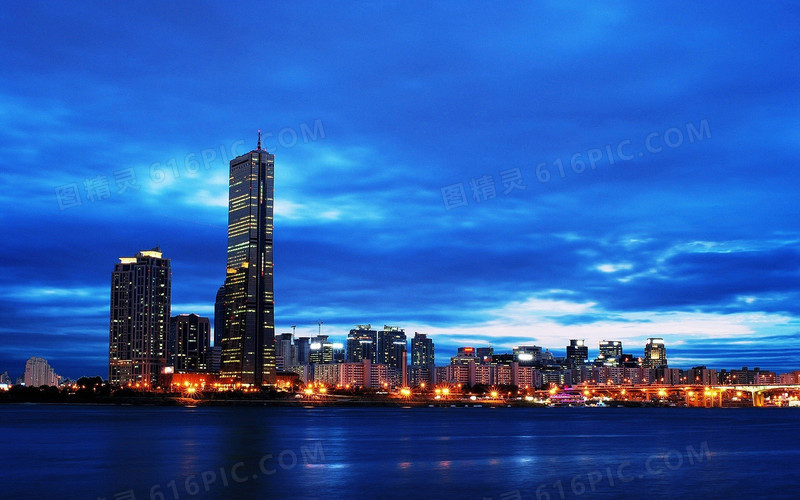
(495, 174)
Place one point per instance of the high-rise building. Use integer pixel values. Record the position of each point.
(302, 350)
(219, 315)
(577, 352)
(38, 373)
(610, 352)
(338, 352)
(422, 359)
(140, 310)
(464, 356)
(655, 353)
(214, 358)
(248, 341)
(320, 350)
(484, 354)
(527, 355)
(422, 350)
(392, 344)
(189, 343)
(284, 351)
(362, 343)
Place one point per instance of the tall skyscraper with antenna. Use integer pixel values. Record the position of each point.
(248, 339)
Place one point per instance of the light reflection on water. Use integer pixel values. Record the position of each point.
(90, 452)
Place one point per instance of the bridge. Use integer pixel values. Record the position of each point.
(693, 395)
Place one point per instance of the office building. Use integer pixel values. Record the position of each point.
(655, 354)
(577, 352)
(610, 353)
(338, 352)
(302, 351)
(140, 312)
(248, 340)
(284, 351)
(392, 347)
(484, 354)
(422, 359)
(362, 343)
(214, 358)
(320, 350)
(527, 355)
(219, 315)
(189, 343)
(422, 350)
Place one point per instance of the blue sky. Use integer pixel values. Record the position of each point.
(642, 158)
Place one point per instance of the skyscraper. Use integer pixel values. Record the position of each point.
(320, 350)
(527, 355)
(392, 344)
(362, 343)
(189, 343)
(577, 352)
(655, 353)
(219, 315)
(140, 309)
(422, 350)
(610, 352)
(248, 340)
(284, 351)
(422, 359)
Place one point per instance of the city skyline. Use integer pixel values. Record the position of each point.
(551, 187)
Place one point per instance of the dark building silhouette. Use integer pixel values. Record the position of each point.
(577, 352)
(189, 343)
(219, 315)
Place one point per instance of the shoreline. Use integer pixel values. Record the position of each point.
(348, 403)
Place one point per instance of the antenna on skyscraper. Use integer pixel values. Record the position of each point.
(319, 323)
(259, 139)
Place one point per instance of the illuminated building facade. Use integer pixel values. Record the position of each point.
(392, 346)
(362, 343)
(655, 354)
(248, 340)
(484, 354)
(527, 355)
(320, 350)
(422, 359)
(422, 350)
(140, 311)
(284, 351)
(189, 343)
(610, 352)
(577, 352)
